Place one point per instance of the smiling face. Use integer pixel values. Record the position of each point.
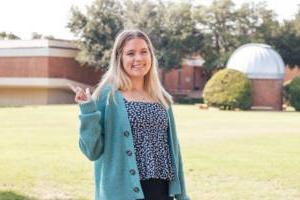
(136, 58)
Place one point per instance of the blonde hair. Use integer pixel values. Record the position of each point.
(117, 77)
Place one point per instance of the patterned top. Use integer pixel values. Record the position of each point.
(149, 125)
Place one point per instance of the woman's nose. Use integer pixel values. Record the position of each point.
(138, 57)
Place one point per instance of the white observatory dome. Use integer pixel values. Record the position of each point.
(257, 61)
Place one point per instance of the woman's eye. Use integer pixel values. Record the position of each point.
(144, 52)
(130, 54)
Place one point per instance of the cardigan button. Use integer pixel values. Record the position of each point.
(136, 189)
(132, 172)
(129, 153)
(126, 133)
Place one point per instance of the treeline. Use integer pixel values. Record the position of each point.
(182, 29)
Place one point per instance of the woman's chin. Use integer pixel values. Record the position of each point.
(137, 75)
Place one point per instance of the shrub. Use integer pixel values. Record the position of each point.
(286, 95)
(188, 100)
(228, 89)
(291, 91)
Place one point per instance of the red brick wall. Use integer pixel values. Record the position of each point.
(291, 73)
(69, 68)
(189, 77)
(23, 66)
(186, 77)
(200, 77)
(267, 93)
(55, 67)
(171, 80)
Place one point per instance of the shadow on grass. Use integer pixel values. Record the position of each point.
(11, 195)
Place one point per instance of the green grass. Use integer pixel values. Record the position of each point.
(227, 155)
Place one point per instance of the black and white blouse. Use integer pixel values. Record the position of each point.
(149, 125)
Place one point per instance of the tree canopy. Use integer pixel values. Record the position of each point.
(8, 36)
(181, 29)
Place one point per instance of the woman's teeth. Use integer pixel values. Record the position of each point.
(137, 66)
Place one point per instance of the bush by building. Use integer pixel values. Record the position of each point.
(228, 89)
(291, 92)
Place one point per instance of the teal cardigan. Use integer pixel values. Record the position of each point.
(105, 137)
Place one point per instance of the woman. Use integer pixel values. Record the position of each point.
(127, 127)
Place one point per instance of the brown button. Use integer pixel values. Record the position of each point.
(126, 133)
(136, 189)
(129, 153)
(132, 172)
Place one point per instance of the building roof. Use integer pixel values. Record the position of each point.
(39, 47)
(194, 60)
(57, 43)
(257, 61)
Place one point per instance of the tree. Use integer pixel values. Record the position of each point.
(267, 25)
(287, 41)
(218, 22)
(97, 30)
(170, 27)
(180, 29)
(227, 27)
(296, 21)
(182, 38)
(8, 36)
(36, 35)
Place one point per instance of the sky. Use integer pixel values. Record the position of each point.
(50, 17)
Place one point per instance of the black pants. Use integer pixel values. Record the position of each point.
(156, 189)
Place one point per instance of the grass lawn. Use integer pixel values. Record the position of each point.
(227, 155)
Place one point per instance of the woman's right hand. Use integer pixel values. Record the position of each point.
(81, 95)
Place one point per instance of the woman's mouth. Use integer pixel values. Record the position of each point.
(137, 67)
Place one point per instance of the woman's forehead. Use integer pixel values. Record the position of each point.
(135, 43)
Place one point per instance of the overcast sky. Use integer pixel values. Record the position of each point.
(49, 17)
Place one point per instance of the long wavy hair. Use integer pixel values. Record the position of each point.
(118, 78)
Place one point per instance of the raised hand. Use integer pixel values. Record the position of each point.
(82, 95)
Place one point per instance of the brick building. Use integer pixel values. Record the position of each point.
(290, 73)
(38, 71)
(188, 81)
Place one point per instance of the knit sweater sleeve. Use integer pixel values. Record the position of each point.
(183, 195)
(91, 136)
